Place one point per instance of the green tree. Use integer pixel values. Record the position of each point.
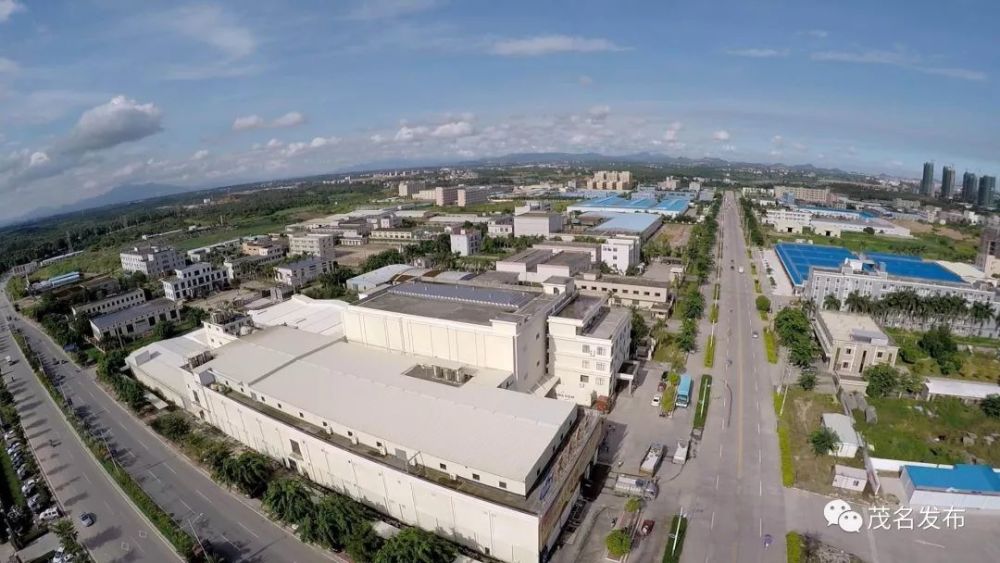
(763, 304)
(633, 504)
(414, 545)
(214, 456)
(807, 381)
(288, 500)
(249, 473)
(164, 330)
(823, 441)
(991, 406)
(66, 532)
(338, 518)
(619, 543)
(686, 340)
(173, 425)
(363, 544)
(939, 344)
(831, 303)
(882, 380)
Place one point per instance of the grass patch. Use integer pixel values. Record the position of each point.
(12, 485)
(715, 292)
(756, 285)
(675, 541)
(704, 398)
(763, 315)
(101, 261)
(976, 365)
(710, 351)
(713, 314)
(800, 466)
(932, 436)
(784, 447)
(770, 346)
(793, 547)
(753, 268)
(668, 352)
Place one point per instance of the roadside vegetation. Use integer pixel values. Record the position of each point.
(754, 233)
(794, 332)
(938, 353)
(675, 539)
(704, 399)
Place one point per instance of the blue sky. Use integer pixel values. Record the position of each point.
(98, 93)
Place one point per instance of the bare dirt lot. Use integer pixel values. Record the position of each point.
(918, 227)
(674, 233)
(354, 255)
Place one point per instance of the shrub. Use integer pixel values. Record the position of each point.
(619, 543)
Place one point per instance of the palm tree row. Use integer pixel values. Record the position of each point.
(899, 306)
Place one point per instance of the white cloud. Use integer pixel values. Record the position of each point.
(721, 135)
(407, 134)
(246, 122)
(778, 140)
(369, 10)
(119, 121)
(38, 158)
(817, 33)
(8, 66)
(585, 80)
(290, 119)
(775, 152)
(758, 53)
(673, 130)
(899, 58)
(551, 44)
(377, 139)
(319, 142)
(211, 25)
(9, 8)
(200, 155)
(453, 129)
(274, 143)
(599, 113)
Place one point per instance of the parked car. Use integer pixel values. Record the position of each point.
(28, 485)
(10, 435)
(87, 519)
(22, 471)
(49, 514)
(35, 503)
(656, 400)
(755, 335)
(15, 447)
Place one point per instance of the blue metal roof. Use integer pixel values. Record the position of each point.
(798, 258)
(914, 267)
(675, 204)
(961, 478)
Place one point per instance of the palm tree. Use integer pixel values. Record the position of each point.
(831, 303)
(249, 473)
(414, 545)
(66, 533)
(337, 519)
(854, 302)
(980, 312)
(288, 500)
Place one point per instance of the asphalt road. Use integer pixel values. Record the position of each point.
(80, 484)
(191, 496)
(736, 497)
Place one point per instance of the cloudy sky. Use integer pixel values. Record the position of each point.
(98, 93)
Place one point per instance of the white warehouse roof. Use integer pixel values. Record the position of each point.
(319, 316)
(843, 426)
(977, 390)
(498, 431)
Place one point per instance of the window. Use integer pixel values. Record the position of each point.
(378, 444)
(444, 467)
(296, 450)
(586, 348)
(584, 379)
(878, 355)
(586, 364)
(503, 485)
(350, 434)
(601, 366)
(324, 424)
(600, 350)
(301, 415)
(475, 476)
(845, 364)
(602, 381)
(847, 351)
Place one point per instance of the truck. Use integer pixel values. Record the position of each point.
(683, 397)
(681, 453)
(632, 486)
(651, 461)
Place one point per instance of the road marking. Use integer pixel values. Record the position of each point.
(144, 445)
(88, 479)
(922, 542)
(711, 526)
(758, 428)
(229, 541)
(202, 495)
(761, 527)
(720, 450)
(716, 483)
(760, 489)
(186, 505)
(170, 469)
(153, 475)
(249, 531)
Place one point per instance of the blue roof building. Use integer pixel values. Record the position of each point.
(961, 486)
(669, 207)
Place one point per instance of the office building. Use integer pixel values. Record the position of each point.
(471, 196)
(619, 180)
(588, 343)
(445, 195)
(927, 181)
(110, 304)
(851, 343)
(153, 261)
(194, 281)
(320, 245)
(632, 291)
(988, 257)
(466, 242)
(819, 196)
(987, 190)
(410, 187)
(621, 253)
(135, 321)
(947, 182)
(970, 190)
(537, 224)
(500, 227)
(299, 273)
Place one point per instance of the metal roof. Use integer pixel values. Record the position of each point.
(465, 294)
(962, 478)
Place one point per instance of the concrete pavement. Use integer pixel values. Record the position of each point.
(120, 533)
(232, 524)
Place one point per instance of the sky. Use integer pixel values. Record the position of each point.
(99, 93)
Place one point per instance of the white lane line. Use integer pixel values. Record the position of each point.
(248, 530)
(229, 541)
(711, 526)
(202, 495)
(760, 488)
(186, 505)
(716, 482)
(720, 450)
(153, 475)
(170, 469)
(144, 445)
(761, 527)
(922, 542)
(88, 479)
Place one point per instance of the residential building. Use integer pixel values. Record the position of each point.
(471, 196)
(632, 291)
(962, 487)
(110, 304)
(431, 443)
(500, 227)
(320, 245)
(299, 273)
(245, 267)
(535, 265)
(537, 224)
(466, 242)
(851, 343)
(969, 190)
(194, 281)
(370, 280)
(987, 190)
(621, 253)
(848, 441)
(445, 195)
(588, 343)
(947, 182)
(801, 193)
(988, 258)
(411, 187)
(611, 180)
(135, 321)
(153, 261)
(266, 247)
(927, 181)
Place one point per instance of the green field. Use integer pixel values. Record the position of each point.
(802, 415)
(976, 365)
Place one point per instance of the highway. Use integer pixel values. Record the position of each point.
(734, 497)
(80, 484)
(230, 522)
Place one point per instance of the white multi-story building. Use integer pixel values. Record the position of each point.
(632, 291)
(320, 245)
(411, 187)
(588, 342)
(988, 257)
(135, 321)
(301, 272)
(190, 282)
(500, 227)
(470, 196)
(110, 304)
(850, 344)
(813, 195)
(621, 253)
(466, 242)
(611, 180)
(445, 195)
(534, 265)
(153, 261)
(534, 224)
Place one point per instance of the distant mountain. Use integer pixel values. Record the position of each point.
(124, 193)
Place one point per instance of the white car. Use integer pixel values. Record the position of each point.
(28, 485)
(15, 447)
(656, 401)
(49, 514)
